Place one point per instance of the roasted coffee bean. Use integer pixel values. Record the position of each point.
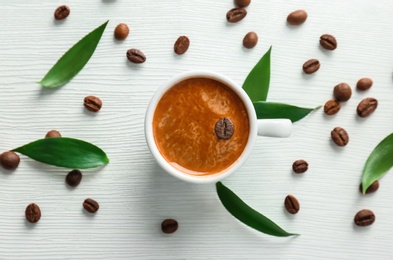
(331, 107)
(169, 226)
(92, 103)
(136, 56)
(372, 188)
(340, 136)
(242, 3)
(328, 42)
(181, 45)
(62, 12)
(297, 17)
(364, 84)
(236, 14)
(342, 92)
(250, 40)
(91, 205)
(53, 133)
(300, 166)
(366, 107)
(73, 178)
(9, 160)
(292, 204)
(121, 31)
(33, 213)
(364, 217)
(224, 128)
(311, 66)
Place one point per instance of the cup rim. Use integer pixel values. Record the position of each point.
(149, 127)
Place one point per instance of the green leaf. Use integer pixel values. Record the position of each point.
(247, 215)
(280, 110)
(65, 152)
(257, 82)
(73, 60)
(378, 163)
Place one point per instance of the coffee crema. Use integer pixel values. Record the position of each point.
(183, 126)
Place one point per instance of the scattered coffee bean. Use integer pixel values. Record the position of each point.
(91, 205)
(364, 217)
(311, 66)
(169, 226)
(328, 42)
(62, 12)
(364, 84)
(224, 128)
(292, 204)
(300, 166)
(73, 178)
(136, 56)
(366, 107)
(121, 31)
(9, 160)
(250, 40)
(53, 133)
(92, 103)
(372, 188)
(33, 213)
(331, 107)
(340, 136)
(242, 3)
(236, 14)
(342, 92)
(297, 17)
(181, 45)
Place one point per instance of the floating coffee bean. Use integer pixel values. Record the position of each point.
(372, 188)
(181, 45)
(364, 217)
(62, 12)
(224, 128)
(33, 213)
(242, 3)
(73, 178)
(300, 166)
(331, 107)
(292, 204)
(342, 92)
(340, 136)
(236, 14)
(9, 160)
(92, 103)
(328, 42)
(366, 107)
(91, 205)
(121, 31)
(136, 56)
(53, 133)
(297, 17)
(311, 66)
(250, 40)
(364, 84)
(169, 226)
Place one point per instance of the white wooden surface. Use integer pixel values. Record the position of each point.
(133, 192)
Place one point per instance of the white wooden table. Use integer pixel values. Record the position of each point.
(135, 195)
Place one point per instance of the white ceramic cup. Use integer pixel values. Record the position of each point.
(264, 127)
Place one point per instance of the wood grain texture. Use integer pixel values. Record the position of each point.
(135, 195)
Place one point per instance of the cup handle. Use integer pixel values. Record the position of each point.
(281, 127)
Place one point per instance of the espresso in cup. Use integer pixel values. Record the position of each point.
(184, 123)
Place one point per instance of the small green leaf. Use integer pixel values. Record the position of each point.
(378, 163)
(246, 214)
(73, 60)
(65, 152)
(257, 82)
(280, 110)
